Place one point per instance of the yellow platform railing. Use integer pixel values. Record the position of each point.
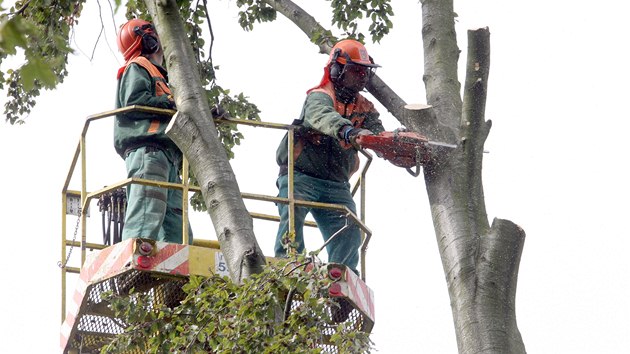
(87, 196)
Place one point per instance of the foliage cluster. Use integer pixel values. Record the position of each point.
(346, 15)
(40, 30)
(254, 11)
(219, 316)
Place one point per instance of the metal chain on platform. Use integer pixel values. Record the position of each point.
(74, 238)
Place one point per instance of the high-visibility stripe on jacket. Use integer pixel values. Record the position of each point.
(140, 82)
(355, 111)
(318, 151)
(161, 87)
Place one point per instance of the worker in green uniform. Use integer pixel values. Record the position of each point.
(325, 152)
(140, 139)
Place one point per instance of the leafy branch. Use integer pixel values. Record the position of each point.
(220, 316)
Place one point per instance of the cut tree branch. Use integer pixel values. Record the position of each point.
(473, 127)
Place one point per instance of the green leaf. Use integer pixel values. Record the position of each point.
(12, 36)
(34, 70)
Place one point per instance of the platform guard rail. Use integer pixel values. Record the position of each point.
(87, 196)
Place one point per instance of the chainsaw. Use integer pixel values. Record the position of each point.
(402, 148)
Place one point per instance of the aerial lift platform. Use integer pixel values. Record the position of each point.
(161, 268)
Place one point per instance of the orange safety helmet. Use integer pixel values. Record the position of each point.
(348, 51)
(132, 35)
(344, 52)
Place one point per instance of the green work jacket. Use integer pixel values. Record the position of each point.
(137, 86)
(317, 150)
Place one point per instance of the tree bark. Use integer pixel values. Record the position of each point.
(480, 261)
(194, 132)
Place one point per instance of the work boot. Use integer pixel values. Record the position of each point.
(339, 313)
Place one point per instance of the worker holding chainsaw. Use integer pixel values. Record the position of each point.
(333, 118)
(140, 138)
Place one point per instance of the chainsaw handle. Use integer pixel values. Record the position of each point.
(416, 173)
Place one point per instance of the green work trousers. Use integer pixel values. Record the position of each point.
(153, 212)
(344, 248)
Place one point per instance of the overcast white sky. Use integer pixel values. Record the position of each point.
(557, 167)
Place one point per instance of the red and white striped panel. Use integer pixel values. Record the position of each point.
(171, 258)
(359, 293)
(97, 266)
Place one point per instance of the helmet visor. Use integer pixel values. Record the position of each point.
(359, 70)
(147, 28)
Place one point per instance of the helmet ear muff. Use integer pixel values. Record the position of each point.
(335, 67)
(150, 45)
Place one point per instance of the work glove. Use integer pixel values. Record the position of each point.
(171, 102)
(350, 135)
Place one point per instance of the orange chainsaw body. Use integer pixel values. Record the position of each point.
(402, 149)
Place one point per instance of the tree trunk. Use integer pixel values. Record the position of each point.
(194, 131)
(480, 261)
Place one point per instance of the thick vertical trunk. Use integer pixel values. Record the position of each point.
(480, 261)
(193, 130)
(480, 266)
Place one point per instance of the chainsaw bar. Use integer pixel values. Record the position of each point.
(403, 149)
(441, 144)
